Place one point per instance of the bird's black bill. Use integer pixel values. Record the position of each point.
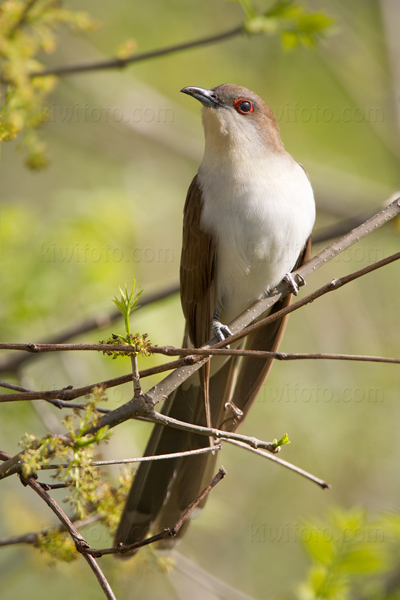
(206, 97)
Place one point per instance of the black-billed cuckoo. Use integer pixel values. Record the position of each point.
(248, 218)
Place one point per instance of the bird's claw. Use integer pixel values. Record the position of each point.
(293, 287)
(220, 331)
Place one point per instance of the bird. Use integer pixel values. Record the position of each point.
(247, 224)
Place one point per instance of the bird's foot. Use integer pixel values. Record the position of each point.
(220, 331)
(293, 287)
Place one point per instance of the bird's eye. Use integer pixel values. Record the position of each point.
(243, 106)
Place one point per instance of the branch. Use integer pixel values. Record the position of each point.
(251, 443)
(58, 403)
(140, 407)
(211, 432)
(125, 461)
(171, 532)
(280, 461)
(32, 536)
(80, 543)
(192, 352)
(120, 63)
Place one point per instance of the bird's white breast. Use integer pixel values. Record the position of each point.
(261, 216)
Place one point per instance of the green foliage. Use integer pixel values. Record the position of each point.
(284, 440)
(109, 501)
(90, 494)
(27, 28)
(74, 455)
(36, 454)
(126, 304)
(138, 342)
(57, 546)
(105, 501)
(351, 556)
(102, 499)
(82, 478)
(289, 19)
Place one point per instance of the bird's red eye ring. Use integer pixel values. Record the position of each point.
(243, 106)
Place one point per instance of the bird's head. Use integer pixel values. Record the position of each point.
(236, 117)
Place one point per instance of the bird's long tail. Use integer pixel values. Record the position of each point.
(163, 489)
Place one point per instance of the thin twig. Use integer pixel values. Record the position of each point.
(60, 397)
(173, 351)
(120, 63)
(280, 461)
(33, 536)
(80, 542)
(58, 403)
(126, 461)
(212, 432)
(137, 388)
(166, 533)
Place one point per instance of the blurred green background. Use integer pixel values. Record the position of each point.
(124, 147)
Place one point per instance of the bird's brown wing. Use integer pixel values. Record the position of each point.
(197, 270)
(162, 490)
(253, 371)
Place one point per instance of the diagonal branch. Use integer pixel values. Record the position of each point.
(331, 286)
(80, 543)
(280, 461)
